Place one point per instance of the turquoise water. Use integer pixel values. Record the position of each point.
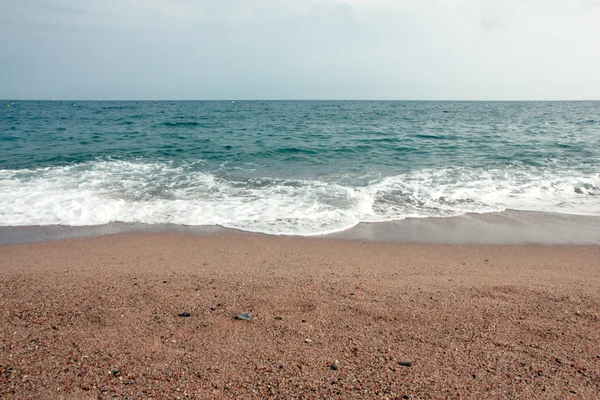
(293, 167)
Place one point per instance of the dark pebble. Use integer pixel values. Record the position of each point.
(474, 376)
(334, 366)
(573, 391)
(116, 372)
(406, 397)
(243, 316)
(405, 363)
(185, 314)
(278, 318)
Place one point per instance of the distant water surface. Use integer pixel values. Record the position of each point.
(293, 167)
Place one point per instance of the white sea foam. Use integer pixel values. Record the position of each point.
(155, 193)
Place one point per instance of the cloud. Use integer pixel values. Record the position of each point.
(39, 13)
(300, 49)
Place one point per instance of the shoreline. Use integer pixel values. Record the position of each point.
(509, 227)
(100, 317)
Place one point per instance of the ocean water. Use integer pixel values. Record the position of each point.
(293, 167)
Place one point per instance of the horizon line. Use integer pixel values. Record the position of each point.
(242, 99)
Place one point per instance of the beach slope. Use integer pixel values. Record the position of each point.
(151, 316)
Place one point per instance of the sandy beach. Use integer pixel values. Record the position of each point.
(150, 315)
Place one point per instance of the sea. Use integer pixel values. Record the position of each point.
(300, 168)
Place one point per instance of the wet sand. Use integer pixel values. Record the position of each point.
(99, 318)
(508, 227)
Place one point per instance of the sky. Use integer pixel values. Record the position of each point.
(300, 49)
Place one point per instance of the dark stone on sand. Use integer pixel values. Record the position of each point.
(474, 376)
(335, 366)
(185, 314)
(243, 316)
(115, 372)
(405, 363)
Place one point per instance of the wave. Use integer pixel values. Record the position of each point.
(181, 124)
(101, 192)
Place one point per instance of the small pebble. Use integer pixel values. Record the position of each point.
(335, 365)
(405, 363)
(243, 316)
(308, 340)
(185, 314)
(474, 376)
(278, 318)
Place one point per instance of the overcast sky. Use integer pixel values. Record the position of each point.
(300, 49)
